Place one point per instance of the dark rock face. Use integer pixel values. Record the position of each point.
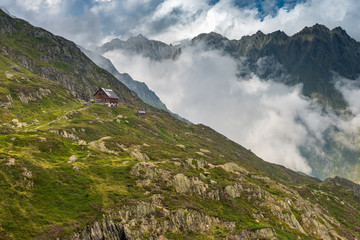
(99, 231)
(55, 58)
(309, 57)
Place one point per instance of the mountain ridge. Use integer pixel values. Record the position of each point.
(58, 59)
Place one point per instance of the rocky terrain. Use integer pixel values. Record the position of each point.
(70, 170)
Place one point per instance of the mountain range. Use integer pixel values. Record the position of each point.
(74, 170)
(310, 57)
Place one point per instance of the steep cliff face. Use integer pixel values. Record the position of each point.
(309, 57)
(55, 58)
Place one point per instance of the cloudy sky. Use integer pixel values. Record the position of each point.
(273, 120)
(91, 22)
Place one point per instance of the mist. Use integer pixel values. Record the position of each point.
(274, 120)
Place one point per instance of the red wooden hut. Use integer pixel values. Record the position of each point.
(106, 96)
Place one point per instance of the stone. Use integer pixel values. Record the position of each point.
(72, 159)
(26, 172)
(76, 168)
(181, 183)
(144, 208)
(9, 75)
(139, 155)
(181, 146)
(233, 190)
(200, 153)
(234, 168)
(82, 143)
(204, 150)
(11, 162)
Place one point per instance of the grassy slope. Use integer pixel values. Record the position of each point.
(55, 58)
(43, 197)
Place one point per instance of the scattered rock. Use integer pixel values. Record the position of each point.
(82, 143)
(11, 162)
(8, 75)
(15, 67)
(72, 159)
(144, 208)
(100, 144)
(181, 183)
(204, 150)
(234, 190)
(234, 168)
(64, 134)
(139, 155)
(180, 146)
(26, 172)
(76, 168)
(263, 233)
(190, 162)
(200, 153)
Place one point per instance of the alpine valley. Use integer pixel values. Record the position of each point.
(315, 57)
(74, 170)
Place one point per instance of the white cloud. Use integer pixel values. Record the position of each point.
(174, 20)
(270, 118)
(274, 120)
(37, 5)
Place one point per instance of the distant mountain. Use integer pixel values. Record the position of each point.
(152, 49)
(310, 57)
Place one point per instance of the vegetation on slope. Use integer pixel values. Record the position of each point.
(65, 165)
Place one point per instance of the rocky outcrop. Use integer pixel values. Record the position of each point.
(263, 233)
(234, 191)
(34, 96)
(64, 134)
(106, 229)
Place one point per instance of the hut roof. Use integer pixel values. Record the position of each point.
(110, 93)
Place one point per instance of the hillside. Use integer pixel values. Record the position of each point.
(69, 170)
(65, 166)
(55, 58)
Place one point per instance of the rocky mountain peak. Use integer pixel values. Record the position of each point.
(138, 38)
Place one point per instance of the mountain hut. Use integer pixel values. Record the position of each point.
(141, 113)
(106, 96)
